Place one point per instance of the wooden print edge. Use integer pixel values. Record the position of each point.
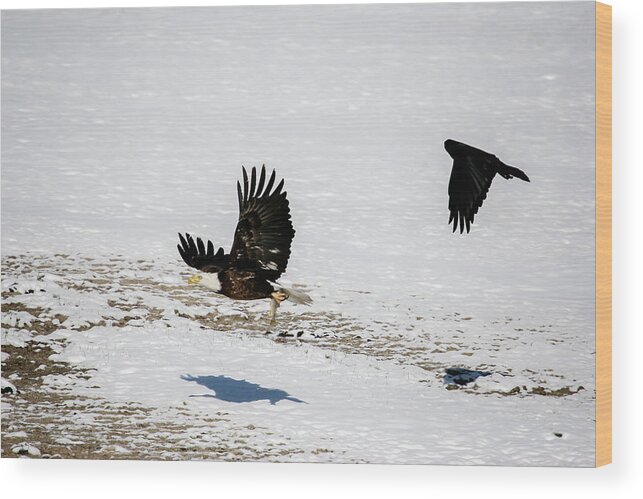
(603, 234)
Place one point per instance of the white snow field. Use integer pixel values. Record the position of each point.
(122, 127)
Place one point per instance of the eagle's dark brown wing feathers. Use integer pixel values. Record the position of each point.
(263, 235)
(264, 232)
(196, 256)
(271, 181)
(245, 185)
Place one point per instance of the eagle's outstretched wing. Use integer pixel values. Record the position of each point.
(196, 255)
(471, 176)
(264, 232)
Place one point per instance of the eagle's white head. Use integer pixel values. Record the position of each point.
(210, 281)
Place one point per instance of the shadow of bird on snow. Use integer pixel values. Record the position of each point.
(238, 390)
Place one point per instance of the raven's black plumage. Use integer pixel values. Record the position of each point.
(471, 176)
(261, 246)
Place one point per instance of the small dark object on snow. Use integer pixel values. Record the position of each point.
(461, 376)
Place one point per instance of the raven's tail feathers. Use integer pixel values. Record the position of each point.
(511, 171)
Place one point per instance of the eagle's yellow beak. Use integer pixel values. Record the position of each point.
(195, 279)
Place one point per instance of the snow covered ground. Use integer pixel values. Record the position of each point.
(122, 127)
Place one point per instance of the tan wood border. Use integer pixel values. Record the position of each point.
(603, 234)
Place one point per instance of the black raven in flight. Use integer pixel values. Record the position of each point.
(471, 176)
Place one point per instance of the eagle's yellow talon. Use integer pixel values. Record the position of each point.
(279, 296)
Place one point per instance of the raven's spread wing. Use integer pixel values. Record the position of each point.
(264, 231)
(470, 180)
(196, 255)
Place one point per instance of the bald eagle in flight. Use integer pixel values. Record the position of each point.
(471, 176)
(260, 250)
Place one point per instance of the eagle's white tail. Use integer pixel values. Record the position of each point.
(297, 296)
